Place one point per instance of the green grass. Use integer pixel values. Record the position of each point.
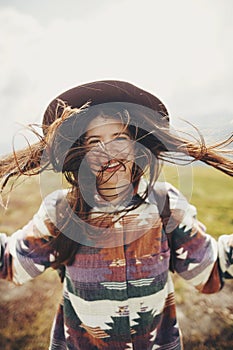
(210, 191)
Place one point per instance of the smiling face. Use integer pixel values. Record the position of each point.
(110, 155)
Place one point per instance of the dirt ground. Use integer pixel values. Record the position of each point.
(207, 320)
(27, 313)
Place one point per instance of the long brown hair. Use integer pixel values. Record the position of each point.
(62, 148)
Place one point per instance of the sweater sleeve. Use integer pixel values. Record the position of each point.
(25, 254)
(197, 256)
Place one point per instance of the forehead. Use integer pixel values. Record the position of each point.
(104, 123)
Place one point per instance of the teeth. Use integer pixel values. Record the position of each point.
(113, 165)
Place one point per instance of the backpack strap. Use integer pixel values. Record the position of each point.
(160, 195)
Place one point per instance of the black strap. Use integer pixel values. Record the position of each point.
(162, 200)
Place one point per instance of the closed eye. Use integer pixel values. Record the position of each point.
(122, 138)
(93, 141)
(115, 137)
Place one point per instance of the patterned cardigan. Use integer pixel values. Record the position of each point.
(121, 297)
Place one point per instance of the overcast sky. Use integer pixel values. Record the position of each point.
(180, 50)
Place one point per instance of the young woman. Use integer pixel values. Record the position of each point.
(117, 232)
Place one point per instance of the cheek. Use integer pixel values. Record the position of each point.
(94, 160)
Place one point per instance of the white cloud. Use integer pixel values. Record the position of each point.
(179, 50)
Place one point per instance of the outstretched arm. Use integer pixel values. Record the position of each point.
(27, 253)
(197, 256)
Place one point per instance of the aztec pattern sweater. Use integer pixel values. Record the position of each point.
(121, 297)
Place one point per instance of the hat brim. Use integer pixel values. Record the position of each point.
(100, 92)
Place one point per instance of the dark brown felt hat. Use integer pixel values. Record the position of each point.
(100, 92)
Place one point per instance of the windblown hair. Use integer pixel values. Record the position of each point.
(63, 149)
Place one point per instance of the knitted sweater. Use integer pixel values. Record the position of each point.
(121, 296)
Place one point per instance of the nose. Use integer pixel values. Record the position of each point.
(106, 145)
(111, 148)
(102, 146)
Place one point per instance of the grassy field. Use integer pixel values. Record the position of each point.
(210, 191)
(27, 311)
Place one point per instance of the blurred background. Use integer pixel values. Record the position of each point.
(179, 50)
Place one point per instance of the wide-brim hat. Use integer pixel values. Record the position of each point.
(100, 92)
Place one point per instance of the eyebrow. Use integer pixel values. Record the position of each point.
(115, 134)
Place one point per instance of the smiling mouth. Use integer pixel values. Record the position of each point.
(111, 166)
